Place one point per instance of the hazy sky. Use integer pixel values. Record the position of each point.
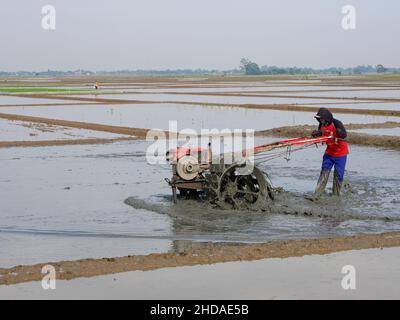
(162, 34)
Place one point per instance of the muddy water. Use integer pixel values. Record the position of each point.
(62, 202)
(70, 202)
(187, 116)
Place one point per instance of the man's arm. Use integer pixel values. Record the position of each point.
(318, 132)
(340, 129)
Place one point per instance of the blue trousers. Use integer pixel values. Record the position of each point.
(339, 162)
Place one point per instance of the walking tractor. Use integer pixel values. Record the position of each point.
(238, 185)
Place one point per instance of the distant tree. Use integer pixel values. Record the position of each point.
(249, 67)
(380, 68)
(243, 63)
(363, 69)
(357, 70)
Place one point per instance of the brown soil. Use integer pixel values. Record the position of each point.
(92, 100)
(274, 249)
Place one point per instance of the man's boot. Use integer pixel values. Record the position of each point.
(321, 185)
(337, 185)
(322, 182)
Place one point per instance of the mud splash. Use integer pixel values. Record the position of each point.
(351, 206)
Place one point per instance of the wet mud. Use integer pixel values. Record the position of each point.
(352, 205)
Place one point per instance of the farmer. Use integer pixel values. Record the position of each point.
(335, 154)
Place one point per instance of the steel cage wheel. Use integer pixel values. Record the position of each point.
(249, 191)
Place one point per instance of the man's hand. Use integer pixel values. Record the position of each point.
(316, 133)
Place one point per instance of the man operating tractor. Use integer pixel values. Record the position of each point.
(335, 154)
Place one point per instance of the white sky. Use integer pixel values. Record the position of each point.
(172, 34)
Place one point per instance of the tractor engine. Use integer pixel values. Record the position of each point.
(194, 175)
(188, 163)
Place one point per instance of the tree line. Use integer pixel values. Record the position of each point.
(249, 67)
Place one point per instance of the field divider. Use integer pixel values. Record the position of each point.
(53, 143)
(202, 256)
(137, 132)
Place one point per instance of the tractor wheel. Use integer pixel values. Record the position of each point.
(238, 191)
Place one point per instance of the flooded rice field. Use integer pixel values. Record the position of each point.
(247, 89)
(96, 200)
(18, 100)
(188, 116)
(93, 201)
(353, 93)
(370, 105)
(30, 131)
(210, 98)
